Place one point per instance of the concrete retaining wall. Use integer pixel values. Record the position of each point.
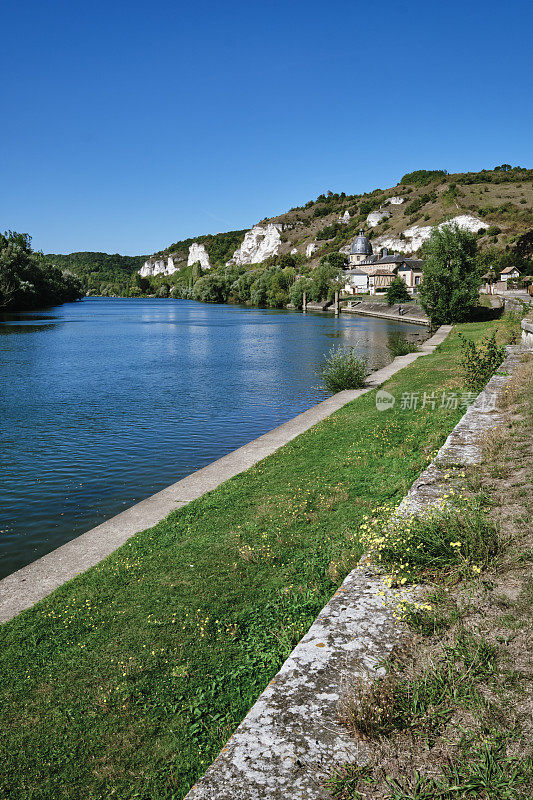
(291, 736)
(412, 312)
(527, 332)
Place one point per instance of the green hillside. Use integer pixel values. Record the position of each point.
(110, 274)
(501, 199)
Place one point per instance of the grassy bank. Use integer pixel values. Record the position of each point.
(452, 716)
(126, 682)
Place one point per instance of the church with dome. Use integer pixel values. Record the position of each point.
(382, 269)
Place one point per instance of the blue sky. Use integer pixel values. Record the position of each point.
(129, 125)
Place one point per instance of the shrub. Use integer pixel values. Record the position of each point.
(493, 230)
(421, 177)
(343, 369)
(397, 292)
(329, 232)
(399, 344)
(418, 202)
(480, 361)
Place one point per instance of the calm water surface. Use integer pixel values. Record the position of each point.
(107, 401)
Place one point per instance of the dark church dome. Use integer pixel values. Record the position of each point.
(361, 245)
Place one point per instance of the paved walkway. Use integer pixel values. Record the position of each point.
(30, 584)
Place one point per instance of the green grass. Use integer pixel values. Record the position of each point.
(127, 681)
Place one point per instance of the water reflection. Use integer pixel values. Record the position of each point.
(137, 394)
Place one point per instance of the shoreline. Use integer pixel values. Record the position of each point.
(32, 583)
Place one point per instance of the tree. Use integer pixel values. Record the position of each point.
(323, 282)
(337, 261)
(27, 281)
(451, 284)
(298, 288)
(143, 283)
(397, 292)
(211, 289)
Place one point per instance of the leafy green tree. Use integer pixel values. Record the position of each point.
(211, 289)
(196, 271)
(336, 261)
(27, 281)
(143, 284)
(296, 294)
(324, 281)
(450, 290)
(397, 292)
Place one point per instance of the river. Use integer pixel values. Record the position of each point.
(106, 401)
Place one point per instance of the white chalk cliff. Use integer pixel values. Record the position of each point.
(310, 249)
(375, 217)
(418, 234)
(395, 201)
(259, 244)
(197, 252)
(159, 265)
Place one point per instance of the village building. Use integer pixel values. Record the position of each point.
(381, 269)
(356, 281)
(509, 273)
(380, 280)
(411, 271)
(497, 281)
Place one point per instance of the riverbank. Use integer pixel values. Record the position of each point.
(25, 587)
(461, 682)
(411, 312)
(147, 662)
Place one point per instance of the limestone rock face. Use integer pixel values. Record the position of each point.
(197, 252)
(161, 265)
(416, 235)
(294, 251)
(310, 249)
(344, 218)
(395, 201)
(259, 244)
(375, 217)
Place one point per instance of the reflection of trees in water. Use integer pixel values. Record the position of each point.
(24, 328)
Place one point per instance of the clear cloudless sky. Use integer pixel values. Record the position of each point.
(127, 125)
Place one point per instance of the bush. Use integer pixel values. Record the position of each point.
(330, 231)
(418, 202)
(480, 361)
(397, 292)
(399, 344)
(421, 177)
(493, 230)
(343, 369)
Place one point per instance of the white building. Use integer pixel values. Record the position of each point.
(356, 281)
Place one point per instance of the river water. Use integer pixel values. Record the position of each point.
(106, 401)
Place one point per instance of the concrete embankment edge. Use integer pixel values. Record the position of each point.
(28, 585)
(422, 320)
(291, 736)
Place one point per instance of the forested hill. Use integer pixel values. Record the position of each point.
(99, 272)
